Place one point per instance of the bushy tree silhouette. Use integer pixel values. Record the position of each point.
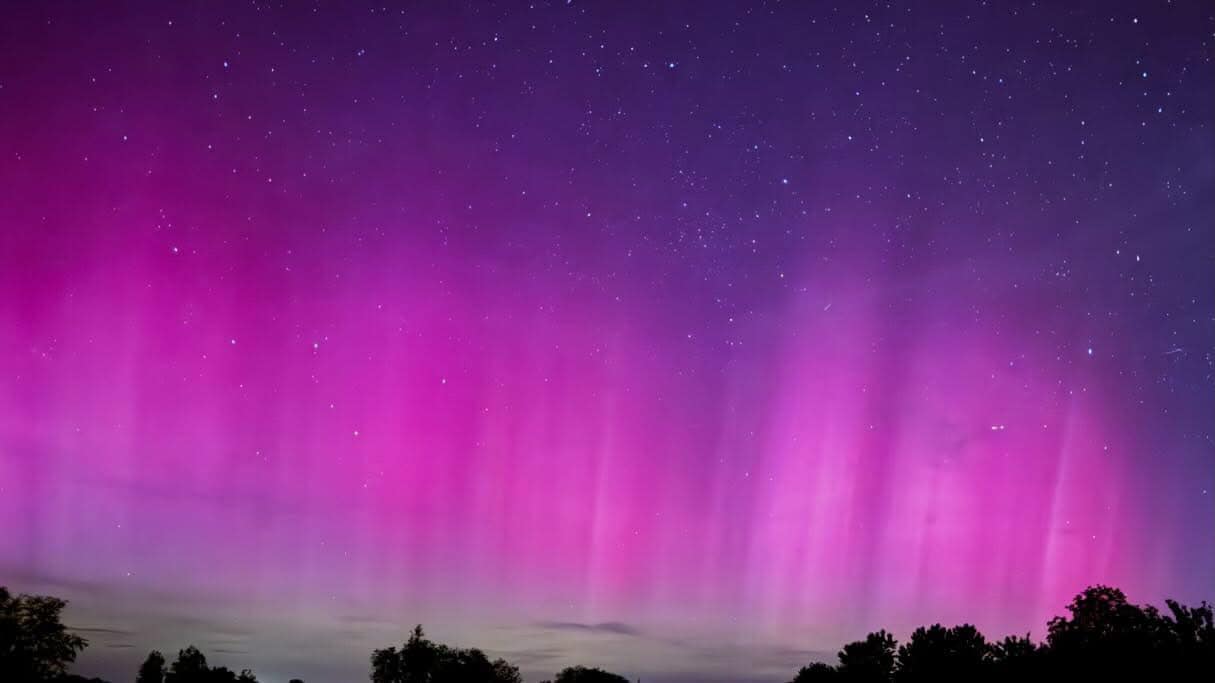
(421, 661)
(191, 667)
(1103, 637)
(818, 672)
(34, 644)
(582, 674)
(153, 669)
(870, 660)
(1193, 635)
(1016, 659)
(942, 654)
(1107, 636)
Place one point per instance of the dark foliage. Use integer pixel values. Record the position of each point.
(1104, 637)
(191, 667)
(421, 661)
(1016, 659)
(942, 654)
(582, 674)
(153, 669)
(34, 644)
(869, 660)
(818, 672)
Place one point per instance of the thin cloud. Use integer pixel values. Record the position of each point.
(607, 627)
(104, 630)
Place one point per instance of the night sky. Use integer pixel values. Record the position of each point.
(691, 341)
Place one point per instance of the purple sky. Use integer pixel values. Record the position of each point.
(690, 341)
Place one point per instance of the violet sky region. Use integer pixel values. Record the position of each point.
(690, 340)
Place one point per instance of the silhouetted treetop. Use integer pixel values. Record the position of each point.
(817, 672)
(937, 653)
(871, 659)
(191, 667)
(1104, 637)
(153, 669)
(582, 674)
(421, 661)
(34, 644)
(1016, 659)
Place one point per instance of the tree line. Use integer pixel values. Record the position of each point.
(1103, 637)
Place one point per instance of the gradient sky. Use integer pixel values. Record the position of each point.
(687, 340)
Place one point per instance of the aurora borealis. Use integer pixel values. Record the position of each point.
(686, 338)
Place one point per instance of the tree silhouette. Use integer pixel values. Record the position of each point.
(868, 661)
(191, 667)
(818, 672)
(1017, 659)
(505, 672)
(153, 669)
(582, 674)
(34, 644)
(1192, 646)
(937, 653)
(421, 661)
(1107, 636)
(1104, 636)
